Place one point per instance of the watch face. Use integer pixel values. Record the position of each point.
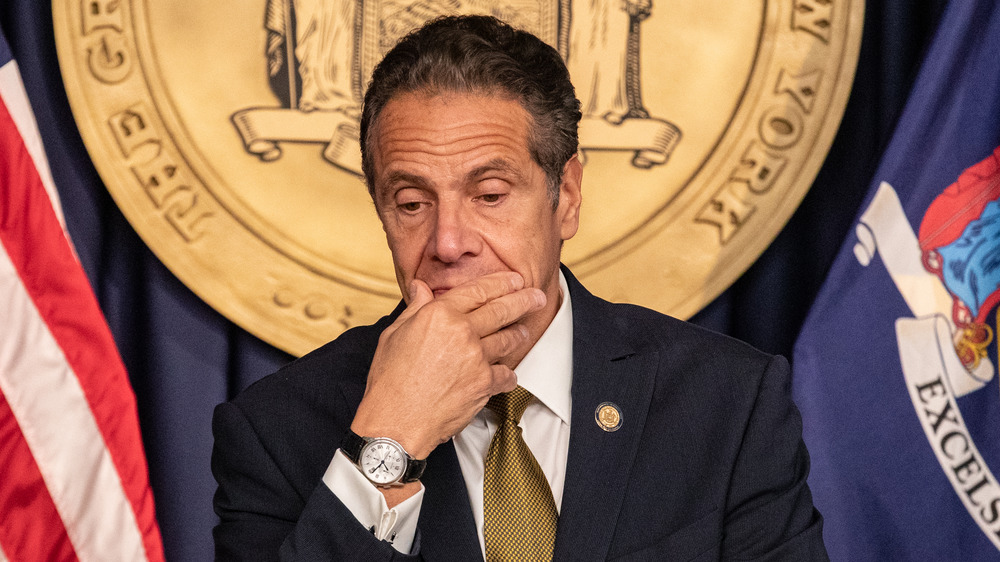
(383, 461)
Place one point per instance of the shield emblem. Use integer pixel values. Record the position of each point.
(320, 54)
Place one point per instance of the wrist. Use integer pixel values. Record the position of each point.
(414, 445)
(399, 494)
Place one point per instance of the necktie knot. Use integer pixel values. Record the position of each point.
(510, 405)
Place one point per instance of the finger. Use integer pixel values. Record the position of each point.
(505, 310)
(474, 294)
(503, 342)
(504, 379)
(419, 295)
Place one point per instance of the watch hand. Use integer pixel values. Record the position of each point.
(372, 471)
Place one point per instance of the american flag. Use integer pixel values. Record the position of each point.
(73, 478)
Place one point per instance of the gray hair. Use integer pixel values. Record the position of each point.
(482, 55)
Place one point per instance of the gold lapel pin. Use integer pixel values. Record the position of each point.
(608, 416)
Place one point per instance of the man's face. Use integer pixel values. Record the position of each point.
(459, 195)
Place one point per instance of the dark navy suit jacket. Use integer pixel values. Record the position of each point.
(708, 463)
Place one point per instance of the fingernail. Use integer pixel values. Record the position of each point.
(540, 297)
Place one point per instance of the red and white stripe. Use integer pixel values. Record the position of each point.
(73, 476)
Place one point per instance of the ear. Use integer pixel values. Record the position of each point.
(568, 211)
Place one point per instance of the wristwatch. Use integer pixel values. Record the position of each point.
(383, 461)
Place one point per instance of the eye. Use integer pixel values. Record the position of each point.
(410, 201)
(492, 189)
(492, 193)
(410, 206)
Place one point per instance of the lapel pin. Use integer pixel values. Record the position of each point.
(608, 416)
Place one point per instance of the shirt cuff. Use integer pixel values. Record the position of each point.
(398, 525)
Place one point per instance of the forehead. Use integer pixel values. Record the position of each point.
(425, 126)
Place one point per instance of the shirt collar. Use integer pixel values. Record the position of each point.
(547, 370)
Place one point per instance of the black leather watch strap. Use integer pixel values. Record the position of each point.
(352, 445)
(414, 469)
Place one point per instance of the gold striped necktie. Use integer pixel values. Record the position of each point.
(519, 514)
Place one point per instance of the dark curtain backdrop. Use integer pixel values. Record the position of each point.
(183, 357)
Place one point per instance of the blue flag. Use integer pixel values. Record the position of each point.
(896, 365)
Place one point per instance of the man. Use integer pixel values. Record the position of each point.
(648, 438)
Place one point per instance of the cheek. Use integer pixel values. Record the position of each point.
(405, 248)
(528, 252)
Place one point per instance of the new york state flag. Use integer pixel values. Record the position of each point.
(896, 365)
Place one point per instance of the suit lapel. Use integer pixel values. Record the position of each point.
(606, 368)
(447, 529)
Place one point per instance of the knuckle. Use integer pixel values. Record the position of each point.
(476, 352)
(509, 340)
(484, 383)
(505, 341)
(436, 313)
(479, 293)
(500, 314)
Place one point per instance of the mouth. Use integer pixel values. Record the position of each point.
(438, 291)
(440, 282)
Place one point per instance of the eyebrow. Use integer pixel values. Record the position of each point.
(397, 177)
(496, 165)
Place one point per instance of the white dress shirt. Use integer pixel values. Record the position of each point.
(547, 372)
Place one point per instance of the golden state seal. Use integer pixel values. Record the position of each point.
(226, 131)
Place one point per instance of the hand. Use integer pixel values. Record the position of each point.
(437, 365)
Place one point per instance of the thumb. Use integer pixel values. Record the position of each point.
(420, 294)
(417, 295)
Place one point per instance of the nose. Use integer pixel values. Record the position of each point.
(454, 235)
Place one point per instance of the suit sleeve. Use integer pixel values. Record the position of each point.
(770, 515)
(262, 515)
